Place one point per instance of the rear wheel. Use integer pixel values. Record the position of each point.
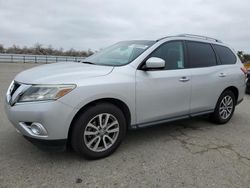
(224, 108)
(98, 131)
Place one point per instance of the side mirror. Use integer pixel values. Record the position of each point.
(154, 63)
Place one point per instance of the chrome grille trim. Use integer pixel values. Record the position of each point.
(14, 91)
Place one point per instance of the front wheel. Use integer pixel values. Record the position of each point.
(98, 131)
(224, 108)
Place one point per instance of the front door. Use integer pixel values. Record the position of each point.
(163, 94)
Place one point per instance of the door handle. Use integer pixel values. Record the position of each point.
(184, 79)
(222, 74)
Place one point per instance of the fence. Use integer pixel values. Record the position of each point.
(25, 58)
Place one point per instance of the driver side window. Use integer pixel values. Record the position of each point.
(172, 53)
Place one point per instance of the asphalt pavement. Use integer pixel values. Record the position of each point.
(186, 153)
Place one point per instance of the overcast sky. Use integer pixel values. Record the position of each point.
(84, 24)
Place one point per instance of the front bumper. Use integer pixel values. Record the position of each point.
(55, 145)
(55, 117)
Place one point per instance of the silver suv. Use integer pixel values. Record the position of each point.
(132, 84)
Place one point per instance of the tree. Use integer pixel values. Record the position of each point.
(240, 55)
(39, 49)
(246, 57)
(90, 52)
(50, 50)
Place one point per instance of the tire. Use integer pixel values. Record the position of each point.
(93, 140)
(220, 117)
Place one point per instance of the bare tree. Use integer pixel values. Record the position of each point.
(240, 55)
(39, 49)
(50, 50)
(246, 57)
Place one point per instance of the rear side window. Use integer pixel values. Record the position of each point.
(200, 55)
(226, 56)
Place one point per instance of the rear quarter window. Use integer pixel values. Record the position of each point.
(200, 55)
(225, 55)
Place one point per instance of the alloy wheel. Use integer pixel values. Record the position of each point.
(101, 132)
(226, 107)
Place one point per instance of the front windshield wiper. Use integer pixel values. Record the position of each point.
(88, 62)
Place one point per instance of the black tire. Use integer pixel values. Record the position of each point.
(215, 116)
(79, 126)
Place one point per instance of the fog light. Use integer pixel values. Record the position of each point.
(38, 129)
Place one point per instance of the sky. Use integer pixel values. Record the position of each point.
(95, 24)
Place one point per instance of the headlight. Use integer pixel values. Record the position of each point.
(45, 92)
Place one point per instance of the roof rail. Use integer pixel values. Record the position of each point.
(193, 36)
(200, 37)
(164, 38)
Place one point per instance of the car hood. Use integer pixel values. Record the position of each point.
(59, 73)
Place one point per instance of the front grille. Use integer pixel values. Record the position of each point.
(15, 86)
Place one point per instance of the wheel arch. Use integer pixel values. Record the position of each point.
(234, 90)
(117, 102)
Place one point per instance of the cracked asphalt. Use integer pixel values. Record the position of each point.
(187, 153)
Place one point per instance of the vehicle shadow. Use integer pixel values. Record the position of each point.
(134, 138)
(156, 132)
(168, 129)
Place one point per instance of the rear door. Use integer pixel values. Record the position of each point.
(231, 69)
(208, 76)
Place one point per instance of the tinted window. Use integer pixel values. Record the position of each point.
(172, 53)
(200, 55)
(226, 56)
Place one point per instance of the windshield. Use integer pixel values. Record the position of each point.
(120, 53)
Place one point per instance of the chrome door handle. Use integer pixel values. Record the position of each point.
(222, 75)
(184, 79)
